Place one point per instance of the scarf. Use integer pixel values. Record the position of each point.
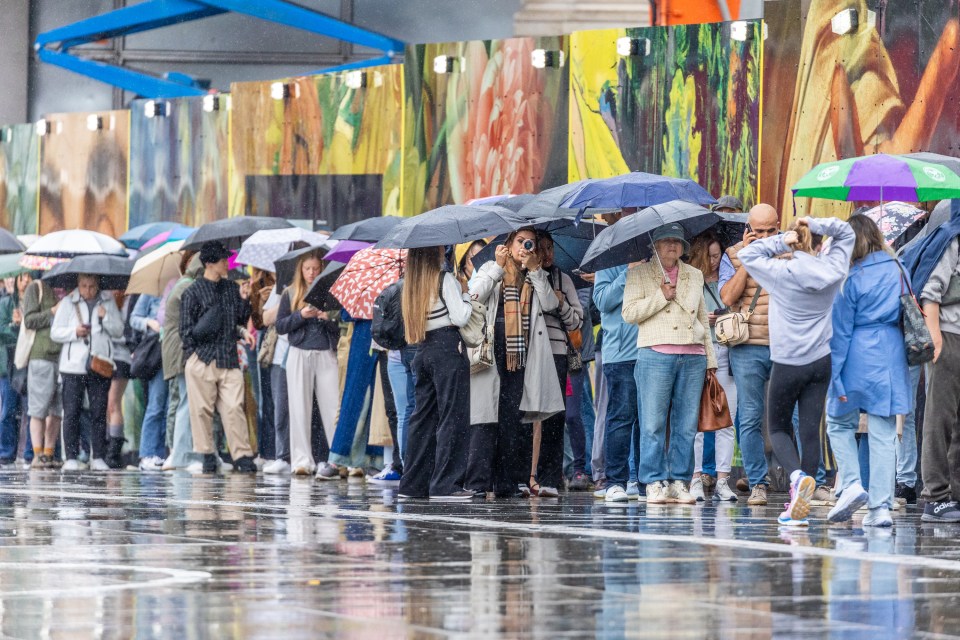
(516, 318)
(920, 257)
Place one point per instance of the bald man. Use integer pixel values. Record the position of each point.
(750, 361)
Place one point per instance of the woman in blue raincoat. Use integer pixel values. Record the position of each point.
(870, 374)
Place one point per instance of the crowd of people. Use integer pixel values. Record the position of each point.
(581, 382)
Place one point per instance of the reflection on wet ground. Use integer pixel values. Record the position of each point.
(131, 555)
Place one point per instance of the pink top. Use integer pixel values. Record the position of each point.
(679, 349)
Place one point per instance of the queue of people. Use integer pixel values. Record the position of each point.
(823, 353)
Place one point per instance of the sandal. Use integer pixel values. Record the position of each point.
(534, 486)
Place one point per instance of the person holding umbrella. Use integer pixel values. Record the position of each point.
(664, 298)
(87, 323)
(212, 311)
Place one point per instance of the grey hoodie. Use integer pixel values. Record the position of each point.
(802, 290)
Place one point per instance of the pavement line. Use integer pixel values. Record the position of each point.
(920, 562)
(172, 577)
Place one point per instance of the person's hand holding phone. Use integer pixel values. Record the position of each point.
(309, 312)
(83, 330)
(748, 235)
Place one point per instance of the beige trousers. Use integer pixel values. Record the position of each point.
(209, 387)
(310, 373)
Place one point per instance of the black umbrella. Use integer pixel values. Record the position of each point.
(232, 231)
(286, 265)
(369, 230)
(730, 228)
(9, 243)
(629, 239)
(451, 224)
(319, 293)
(546, 204)
(113, 272)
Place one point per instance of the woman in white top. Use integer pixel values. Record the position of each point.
(434, 306)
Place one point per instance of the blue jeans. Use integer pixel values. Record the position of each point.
(622, 420)
(9, 420)
(668, 385)
(883, 436)
(751, 366)
(907, 446)
(361, 369)
(153, 435)
(589, 419)
(403, 382)
(182, 454)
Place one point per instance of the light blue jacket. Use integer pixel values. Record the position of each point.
(868, 357)
(619, 338)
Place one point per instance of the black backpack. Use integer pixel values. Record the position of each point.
(387, 327)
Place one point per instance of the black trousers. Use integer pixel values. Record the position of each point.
(434, 458)
(96, 390)
(495, 455)
(550, 462)
(805, 385)
(391, 407)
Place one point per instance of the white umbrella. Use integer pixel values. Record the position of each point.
(263, 248)
(75, 242)
(152, 272)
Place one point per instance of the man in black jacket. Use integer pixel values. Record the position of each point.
(211, 310)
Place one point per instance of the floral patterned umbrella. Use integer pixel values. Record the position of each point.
(368, 273)
(893, 218)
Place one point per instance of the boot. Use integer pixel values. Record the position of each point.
(114, 457)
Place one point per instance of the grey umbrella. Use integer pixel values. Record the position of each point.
(9, 243)
(369, 230)
(925, 156)
(113, 272)
(628, 240)
(232, 231)
(286, 265)
(451, 224)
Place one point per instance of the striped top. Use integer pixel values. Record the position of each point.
(452, 307)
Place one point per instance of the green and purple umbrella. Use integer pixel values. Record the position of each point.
(879, 177)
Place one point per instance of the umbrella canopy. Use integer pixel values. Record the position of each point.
(232, 231)
(894, 218)
(10, 265)
(113, 272)
(345, 249)
(546, 204)
(369, 230)
(178, 233)
(319, 292)
(263, 248)
(286, 265)
(948, 161)
(140, 234)
(152, 272)
(9, 243)
(367, 274)
(635, 189)
(628, 239)
(75, 242)
(879, 177)
(730, 228)
(451, 224)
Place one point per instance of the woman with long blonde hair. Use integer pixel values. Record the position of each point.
(311, 365)
(434, 307)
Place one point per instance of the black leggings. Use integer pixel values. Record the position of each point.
(805, 385)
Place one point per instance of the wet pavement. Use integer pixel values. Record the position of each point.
(179, 556)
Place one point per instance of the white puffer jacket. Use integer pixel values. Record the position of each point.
(73, 312)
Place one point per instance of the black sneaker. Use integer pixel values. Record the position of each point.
(941, 512)
(244, 465)
(209, 463)
(906, 492)
(456, 496)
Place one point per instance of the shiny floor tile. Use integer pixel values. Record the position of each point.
(180, 556)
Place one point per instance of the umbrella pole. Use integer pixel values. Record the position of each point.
(653, 246)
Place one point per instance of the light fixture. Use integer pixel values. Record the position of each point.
(43, 127)
(211, 103)
(156, 108)
(6, 134)
(355, 79)
(94, 122)
(871, 19)
(282, 90)
(627, 46)
(542, 58)
(847, 21)
(742, 31)
(445, 64)
(377, 79)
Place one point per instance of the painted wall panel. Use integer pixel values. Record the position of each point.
(19, 173)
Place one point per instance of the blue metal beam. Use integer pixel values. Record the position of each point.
(135, 19)
(133, 81)
(359, 64)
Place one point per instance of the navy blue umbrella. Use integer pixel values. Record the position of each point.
(451, 224)
(636, 189)
(628, 240)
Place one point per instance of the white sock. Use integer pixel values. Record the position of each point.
(387, 457)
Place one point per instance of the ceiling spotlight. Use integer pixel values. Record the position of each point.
(633, 46)
(356, 80)
(446, 64)
(847, 21)
(542, 58)
(282, 90)
(43, 127)
(211, 103)
(94, 122)
(156, 108)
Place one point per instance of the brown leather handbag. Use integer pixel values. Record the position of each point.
(714, 410)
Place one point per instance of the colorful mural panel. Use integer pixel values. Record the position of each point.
(83, 172)
(178, 161)
(889, 85)
(19, 172)
(687, 104)
(334, 124)
(491, 122)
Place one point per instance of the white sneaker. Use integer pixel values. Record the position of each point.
(615, 494)
(277, 467)
(97, 464)
(168, 464)
(72, 465)
(696, 489)
(677, 493)
(657, 493)
(851, 499)
(879, 517)
(225, 467)
(151, 464)
(260, 462)
(195, 467)
(723, 492)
